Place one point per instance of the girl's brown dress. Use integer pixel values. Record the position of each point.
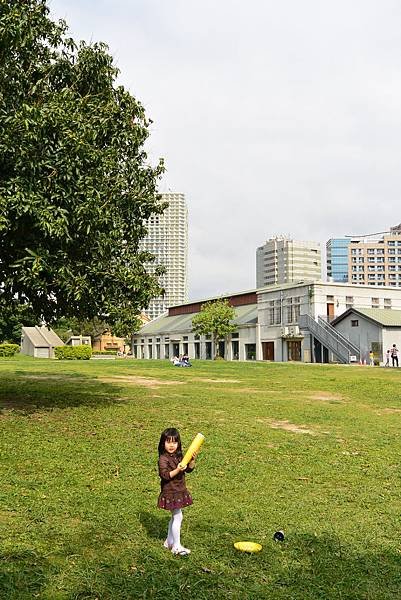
(173, 493)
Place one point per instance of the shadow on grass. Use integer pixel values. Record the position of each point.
(305, 567)
(155, 525)
(27, 392)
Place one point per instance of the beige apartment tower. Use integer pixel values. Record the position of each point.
(282, 260)
(167, 239)
(376, 261)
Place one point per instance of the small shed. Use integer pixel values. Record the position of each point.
(79, 340)
(371, 329)
(39, 342)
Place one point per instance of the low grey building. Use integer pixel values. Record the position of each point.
(39, 342)
(371, 330)
(171, 334)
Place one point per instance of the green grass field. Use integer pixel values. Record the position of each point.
(310, 449)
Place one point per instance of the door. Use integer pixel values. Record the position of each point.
(294, 350)
(268, 350)
(330, 311)
(42, 353)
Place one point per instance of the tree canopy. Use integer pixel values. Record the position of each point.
(76, 186)
(214, 319)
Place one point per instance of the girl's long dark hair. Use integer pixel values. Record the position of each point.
(170, 434)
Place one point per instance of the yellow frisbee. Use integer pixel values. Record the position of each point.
(248, 546)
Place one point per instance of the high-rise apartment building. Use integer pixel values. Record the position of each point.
(337, 259)
(282, 260)
(167, 239)
(376, 261)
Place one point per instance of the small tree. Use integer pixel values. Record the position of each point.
(214, 319)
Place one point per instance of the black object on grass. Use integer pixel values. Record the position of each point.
(278, 536)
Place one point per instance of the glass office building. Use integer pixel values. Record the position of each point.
(337, 259)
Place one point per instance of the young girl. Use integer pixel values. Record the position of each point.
(174, 494)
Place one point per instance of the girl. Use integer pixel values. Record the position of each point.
(174, 494)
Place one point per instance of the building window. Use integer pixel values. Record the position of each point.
(387, 302)
(354, 323)
(250, 351)
(289, 310)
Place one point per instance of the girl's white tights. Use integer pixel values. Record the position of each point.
(174, 529)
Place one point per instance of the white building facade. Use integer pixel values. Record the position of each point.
(167, 239)
(276, 323)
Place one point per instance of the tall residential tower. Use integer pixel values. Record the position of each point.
(281, 260)
(167, 239)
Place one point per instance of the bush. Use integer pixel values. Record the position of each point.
(8, 349)
(83, 352)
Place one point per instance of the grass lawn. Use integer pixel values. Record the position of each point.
(310, 449)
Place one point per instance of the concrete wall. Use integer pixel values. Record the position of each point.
(27, 347)
(392, 335)
(363, 336)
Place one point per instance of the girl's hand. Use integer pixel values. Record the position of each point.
(176, 471)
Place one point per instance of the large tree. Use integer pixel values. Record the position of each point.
(12, 317)
(215, 319)
(76, 186)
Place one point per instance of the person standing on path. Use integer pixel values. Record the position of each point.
(394, 355)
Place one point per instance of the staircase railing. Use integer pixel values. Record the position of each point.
(329, 337)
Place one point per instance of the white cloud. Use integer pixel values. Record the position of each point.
(273, 117)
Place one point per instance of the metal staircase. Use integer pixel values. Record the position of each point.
(329, 337)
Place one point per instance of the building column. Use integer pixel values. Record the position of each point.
(229, 349)
(241, 349)
(191, 349)
(259, 353)
(145, 349)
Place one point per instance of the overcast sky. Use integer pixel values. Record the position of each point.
(272, 117)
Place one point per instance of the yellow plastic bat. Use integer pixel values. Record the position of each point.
(194, 447)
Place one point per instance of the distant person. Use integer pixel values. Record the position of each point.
(394, 355)
(387, 358)
(371, 359)
(185, 361)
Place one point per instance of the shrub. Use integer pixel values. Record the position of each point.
(83, 352)
(8, 349)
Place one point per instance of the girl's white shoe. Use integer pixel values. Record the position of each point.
(180, 551)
